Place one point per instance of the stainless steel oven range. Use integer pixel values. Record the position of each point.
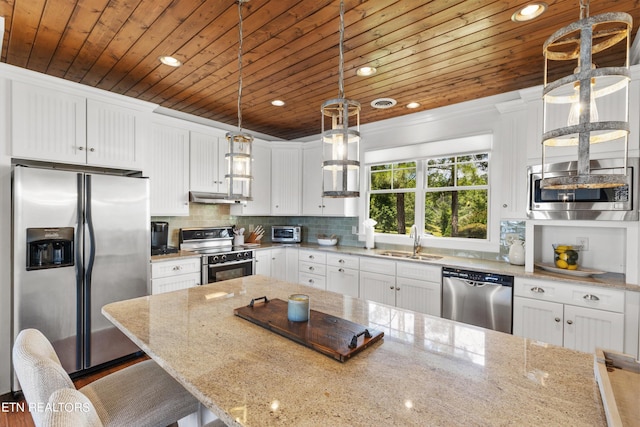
(220, 259)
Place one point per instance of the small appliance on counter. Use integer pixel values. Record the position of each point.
(160, 239)
(286, 234)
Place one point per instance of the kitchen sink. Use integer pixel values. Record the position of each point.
(409, 255)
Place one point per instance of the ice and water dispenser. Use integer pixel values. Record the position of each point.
(49, 247)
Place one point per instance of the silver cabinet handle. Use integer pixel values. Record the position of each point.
(392, 287)
(591, 297)
(80, 148)
(311, 257)
(341, 270)
(397, 288)
(311, 281)
(92, 149)
(341, 261)
(177, 267)
(320, 206)
(569, 322)
(537, 290)
(557, 319)
(311, 268)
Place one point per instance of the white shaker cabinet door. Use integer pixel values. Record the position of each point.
(285, 181)
(587, 328)
(538, 320)
(168, 170)
(116, 135)
(279, 263)
(343, 280)
(47, 124)
(207, 163)
(418, 295)
(378, 287)
(263, 262)
(260, 203)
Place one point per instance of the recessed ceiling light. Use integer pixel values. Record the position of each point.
(529, 12)
(170, 61)
(366, 71)
(382, 103)
(413, 105)
(277, 102)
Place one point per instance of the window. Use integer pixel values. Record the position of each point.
(392, 197)
(456, 196)
(447, 196)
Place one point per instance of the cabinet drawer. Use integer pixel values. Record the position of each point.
(414, 270)
(168, 284)
(375, 265)
(312, 267)
(313, 280)
(571, 293)
(175, 267)
(312, 256)
(345, 261)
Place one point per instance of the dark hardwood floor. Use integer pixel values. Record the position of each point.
(11, 418)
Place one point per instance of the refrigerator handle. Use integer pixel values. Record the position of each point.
(88, 271)
(79, 272)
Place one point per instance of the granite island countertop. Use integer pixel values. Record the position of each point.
(425, 371)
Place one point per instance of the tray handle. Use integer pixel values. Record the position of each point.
(354, 340)
(266, 300)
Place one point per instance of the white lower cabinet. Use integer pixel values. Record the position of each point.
(263, 262)
(175, 274)
(378, 287)
(575, 316)
(342, 274)
(312, 268)
(419, 287)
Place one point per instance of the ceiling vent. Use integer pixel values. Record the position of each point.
(382, 103)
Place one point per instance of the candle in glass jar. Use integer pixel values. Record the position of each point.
(298, 308)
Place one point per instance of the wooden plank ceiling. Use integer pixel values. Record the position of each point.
(437, 52)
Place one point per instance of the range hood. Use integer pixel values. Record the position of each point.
(211, 198)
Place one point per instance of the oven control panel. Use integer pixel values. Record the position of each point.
(229, 257)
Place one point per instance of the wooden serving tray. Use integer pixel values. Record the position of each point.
(324, 333)
(618, 377)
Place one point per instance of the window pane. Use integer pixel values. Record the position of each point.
(380, 167)
(456, 213)
(440, 176)
(473, 173)
(394, 212)
(381, 180)
(404, 178)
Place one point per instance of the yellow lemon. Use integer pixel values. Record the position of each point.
(561, 264)
(563, 256)
(572, 267)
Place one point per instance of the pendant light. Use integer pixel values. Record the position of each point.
(571, 115)
(238, 154)
(340, 142)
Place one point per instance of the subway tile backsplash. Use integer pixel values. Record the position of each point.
(203, 215)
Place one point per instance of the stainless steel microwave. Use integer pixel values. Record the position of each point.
(612, 204)
(286, 234)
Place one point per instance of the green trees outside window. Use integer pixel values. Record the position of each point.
(454, 190)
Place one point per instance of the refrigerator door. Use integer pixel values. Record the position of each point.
(47, 299)
(117, 237)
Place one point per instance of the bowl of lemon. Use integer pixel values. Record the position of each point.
(566, 256)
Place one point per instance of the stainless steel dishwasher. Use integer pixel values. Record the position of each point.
(478, 298)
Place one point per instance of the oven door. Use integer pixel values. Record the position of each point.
(212, 273)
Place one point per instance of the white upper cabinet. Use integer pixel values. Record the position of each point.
(168, 170)
(47, 124)
(58, 126)
(312, 201)
(207, 163)
(286, 185)
(261, 185)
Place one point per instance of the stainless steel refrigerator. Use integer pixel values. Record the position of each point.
(80, 241)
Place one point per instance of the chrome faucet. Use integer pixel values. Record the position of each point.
(416, 239)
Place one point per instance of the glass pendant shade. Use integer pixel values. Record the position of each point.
(340, 147)
(239, 161)
(589, 106)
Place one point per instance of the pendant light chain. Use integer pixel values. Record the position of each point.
(240, 66)
(341, 64)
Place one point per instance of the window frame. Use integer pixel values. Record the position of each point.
(421, 153)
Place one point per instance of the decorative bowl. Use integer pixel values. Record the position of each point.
(327, 242)
(566, 256)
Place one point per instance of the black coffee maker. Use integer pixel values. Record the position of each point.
(160, 238)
